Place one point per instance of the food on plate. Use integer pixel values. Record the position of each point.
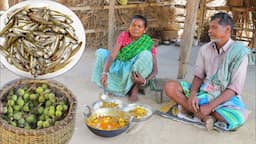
(38, 40)
(107, 122)
(138, 112)
(109, 104)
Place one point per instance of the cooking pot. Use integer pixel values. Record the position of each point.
(112, 112)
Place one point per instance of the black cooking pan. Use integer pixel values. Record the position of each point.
(107, 112)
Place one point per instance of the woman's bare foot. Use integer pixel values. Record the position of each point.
(133, 98)
(134, 93)
(1, 108)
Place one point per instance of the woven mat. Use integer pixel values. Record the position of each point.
(171, 111)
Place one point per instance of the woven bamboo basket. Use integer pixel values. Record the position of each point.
(58, 134)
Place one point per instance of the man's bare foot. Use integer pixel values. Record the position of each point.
(209, 122)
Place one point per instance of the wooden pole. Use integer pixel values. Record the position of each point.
(4, 5)
(201, 19)
(111, 24)
(254, 40)
(189, 30)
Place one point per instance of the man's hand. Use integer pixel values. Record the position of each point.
(204, 111)
(193, 102)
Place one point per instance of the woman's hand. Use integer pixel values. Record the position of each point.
(103, 79)
(137, 78)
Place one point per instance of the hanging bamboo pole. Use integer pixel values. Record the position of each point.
(4, 5)
(129, 6)
(111, 23)
(189, 30)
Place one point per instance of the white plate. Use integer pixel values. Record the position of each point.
(148, 108)
(77, 25)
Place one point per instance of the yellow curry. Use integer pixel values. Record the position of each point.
(109, 105)
(107, 122)
(138, 112)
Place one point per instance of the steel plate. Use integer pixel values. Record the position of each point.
(148, 108)
(99, 104)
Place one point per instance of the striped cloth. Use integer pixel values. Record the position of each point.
(119, 77)
(233, 110)
(134, 48)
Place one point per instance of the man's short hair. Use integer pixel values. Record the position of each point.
(224, 19)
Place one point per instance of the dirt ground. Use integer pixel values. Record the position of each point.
(156, 129)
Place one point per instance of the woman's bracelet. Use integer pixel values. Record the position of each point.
(104, 73)
(145, 82)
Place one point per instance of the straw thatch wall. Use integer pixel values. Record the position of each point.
(162, 17)
(94, 15)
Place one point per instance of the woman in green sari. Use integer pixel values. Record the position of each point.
(130, 64)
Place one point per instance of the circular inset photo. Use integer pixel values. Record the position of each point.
(40, 39)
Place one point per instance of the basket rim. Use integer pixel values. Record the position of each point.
(69, 117)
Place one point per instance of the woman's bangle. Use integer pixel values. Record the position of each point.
(104, 73)
(145, 82)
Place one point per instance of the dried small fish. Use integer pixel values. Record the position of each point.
(8, 26)
(11, 15)
(39, 40)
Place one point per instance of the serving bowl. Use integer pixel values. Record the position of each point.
(124, 121)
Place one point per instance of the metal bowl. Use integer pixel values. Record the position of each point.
(107, 112)
(149, 111)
